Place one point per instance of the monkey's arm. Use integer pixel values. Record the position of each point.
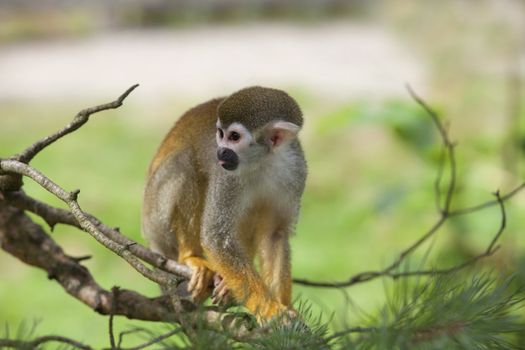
(227, 256)
(171, 216)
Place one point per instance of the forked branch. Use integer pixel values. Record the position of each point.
(445, 213)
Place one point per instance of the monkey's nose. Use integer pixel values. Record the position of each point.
(226, 154)
(228, 159)
(221, 152)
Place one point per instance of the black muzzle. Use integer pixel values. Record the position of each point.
(228, 159)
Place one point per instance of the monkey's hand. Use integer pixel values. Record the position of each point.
(221, 294)
(201, 279)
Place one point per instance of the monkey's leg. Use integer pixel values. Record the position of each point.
(228, 251)
(274, 255)
(247, 287)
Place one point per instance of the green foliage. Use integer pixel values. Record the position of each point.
(24, 332)
(305, 332)
(407, 121)
(455, 311)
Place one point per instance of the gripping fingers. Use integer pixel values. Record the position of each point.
(199, 282)
(220, 295)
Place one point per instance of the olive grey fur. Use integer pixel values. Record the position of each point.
(256, 106)
(196, 209)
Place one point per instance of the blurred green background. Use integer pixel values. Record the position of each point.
(372, 152)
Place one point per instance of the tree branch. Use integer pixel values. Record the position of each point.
(488, 204)
(444, 211)
(155, 340)
(80, 119)
(35, 343)
(22, 238)
(53, 216)
(70, 198)
(27, 241)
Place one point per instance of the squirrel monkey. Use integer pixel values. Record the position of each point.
(224, 188)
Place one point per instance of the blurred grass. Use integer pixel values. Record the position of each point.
(369, 194)
(30, 25)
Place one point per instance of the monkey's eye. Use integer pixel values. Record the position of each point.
(234, 136)
(221, 133)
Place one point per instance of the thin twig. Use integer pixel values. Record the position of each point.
(350, 331)
(134, 330)
(492, 246)
(416, 244)
(82, 258)
(448, 147)
(17, 167)
(33, 344)
(80, 119)
(155, 340)
(488, 204)
(115, 292)
(437, 181)
(491, 249)
(445, 213)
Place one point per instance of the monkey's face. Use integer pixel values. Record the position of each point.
(232, 143)
(238, 147)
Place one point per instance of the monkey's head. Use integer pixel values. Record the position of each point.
(253, 123)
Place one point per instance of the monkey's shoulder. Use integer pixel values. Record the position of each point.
(190, 132)
(194, 122)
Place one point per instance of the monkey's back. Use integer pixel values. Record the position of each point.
(194, 130)
(177, 179)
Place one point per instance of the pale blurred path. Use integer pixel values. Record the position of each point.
(331, 59)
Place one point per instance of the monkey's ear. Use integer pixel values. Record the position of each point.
(280, 132)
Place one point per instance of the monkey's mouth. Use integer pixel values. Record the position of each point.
(228, 159)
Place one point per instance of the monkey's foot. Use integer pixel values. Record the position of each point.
(276, 311)
(287, 316)
(221, 293)
(201, 279)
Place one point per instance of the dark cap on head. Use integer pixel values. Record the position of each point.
(256, 106)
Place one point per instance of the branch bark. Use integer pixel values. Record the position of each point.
(27, 241)
(53, 216)
(70, 198)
